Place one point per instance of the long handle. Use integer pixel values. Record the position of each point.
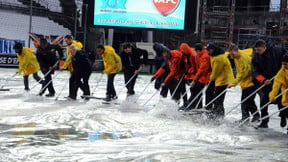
(268, 116)
(133, 76)
(62, 89)
(45, 75)
(248, 97)
(97, 84)
(194, 99)
(214, 99)
(261, 108)
(178, 85)
(142, 92)
(150, 98)
(6, 81)
(46, 85)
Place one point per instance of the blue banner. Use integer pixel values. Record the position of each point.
(7, 60)
(6, 46)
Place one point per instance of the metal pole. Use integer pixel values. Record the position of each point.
(85, 25)
(203, 20)
(30, 23)
(261, 108)
(150, 36)
(197, 18)
(110, 36)
(75, 23)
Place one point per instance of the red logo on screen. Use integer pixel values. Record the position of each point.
(166, 7)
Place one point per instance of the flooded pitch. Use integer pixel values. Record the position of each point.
(34, 128)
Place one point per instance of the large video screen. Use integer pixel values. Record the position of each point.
(156, 14)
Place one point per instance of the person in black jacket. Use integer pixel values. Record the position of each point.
(131, 62)
(266, 62)
(47, 58)
(82, 70)
(161, 62)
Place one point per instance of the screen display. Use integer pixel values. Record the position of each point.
(157, 14)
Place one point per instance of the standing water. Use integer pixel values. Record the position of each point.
(35, 128)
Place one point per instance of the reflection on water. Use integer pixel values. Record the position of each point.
(33, 134)
(41, 129)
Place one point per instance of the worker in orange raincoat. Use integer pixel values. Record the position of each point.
(176, 73)
(201, 78)
(189, 60)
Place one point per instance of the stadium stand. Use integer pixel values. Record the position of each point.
(48, 18)
(52, 5)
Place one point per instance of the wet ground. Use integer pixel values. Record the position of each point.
(35, 128)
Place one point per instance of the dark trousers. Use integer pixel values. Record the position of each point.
(85, 86)
(48, 83)
(218, 105)
(264, 99)
(164, 91)
(75, 82)
(128, 74)
(196, 90)
(283, 114)
(209, 95)
(82, 87)
(249, 105)
(110, 91)
(181, 89)
(26, 80)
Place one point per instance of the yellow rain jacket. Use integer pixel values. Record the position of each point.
(112, 61)
(280, 81)
(222, 72)
(28, 63)
(244, 71)
(68, 61)
(248, 51)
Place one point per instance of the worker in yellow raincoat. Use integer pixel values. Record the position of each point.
(28, 64)
(242, 60)
(281, 83)
(222, 74)
(112, 65)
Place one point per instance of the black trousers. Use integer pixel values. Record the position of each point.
(194, 92)
(179, 91)
(75, 82)
(264, 99)
(218, 110)
(283, 114)
(48, 83)
(82, 87)
(249, 105)
(209, 95)
(26, 80)
(128, 74)
(110, 91)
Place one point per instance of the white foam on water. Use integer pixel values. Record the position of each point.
(35, 128)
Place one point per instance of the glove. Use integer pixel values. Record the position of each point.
(272, 100)
(152, 79)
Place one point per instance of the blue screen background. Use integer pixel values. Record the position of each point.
(137, 13)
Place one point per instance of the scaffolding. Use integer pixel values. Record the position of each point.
(223, 22)
(217, 23)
